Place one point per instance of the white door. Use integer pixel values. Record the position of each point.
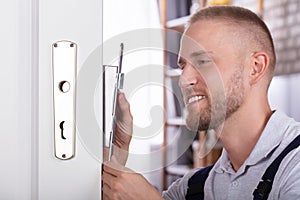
(29, 168)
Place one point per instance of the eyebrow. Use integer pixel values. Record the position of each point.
(199, 53)
(194, 54)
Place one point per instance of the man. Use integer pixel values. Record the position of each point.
(227, 60)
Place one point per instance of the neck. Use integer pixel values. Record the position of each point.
(241, 132)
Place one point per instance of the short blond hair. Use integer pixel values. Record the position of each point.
(256, 29)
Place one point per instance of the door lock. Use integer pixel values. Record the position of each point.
(64, 63)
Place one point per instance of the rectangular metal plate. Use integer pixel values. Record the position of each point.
(110, 87)
(64, 59)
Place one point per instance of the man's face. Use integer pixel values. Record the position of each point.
(212, 75)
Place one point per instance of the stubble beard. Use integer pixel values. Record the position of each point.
(219, 108)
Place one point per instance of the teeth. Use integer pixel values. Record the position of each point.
(195, 98)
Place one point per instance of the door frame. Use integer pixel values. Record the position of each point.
(27, 97)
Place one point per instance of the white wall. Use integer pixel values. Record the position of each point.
(284, 94)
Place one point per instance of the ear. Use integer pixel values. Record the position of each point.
(259, 65)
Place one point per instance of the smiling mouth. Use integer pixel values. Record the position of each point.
(195, 98)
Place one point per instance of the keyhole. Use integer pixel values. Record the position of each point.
(61, 125)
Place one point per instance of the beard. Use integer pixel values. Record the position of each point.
(220, 107)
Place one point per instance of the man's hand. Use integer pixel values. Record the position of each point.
(124, 123)
(123, 131)
(119, 182)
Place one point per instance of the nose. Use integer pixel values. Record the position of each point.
(188, 77)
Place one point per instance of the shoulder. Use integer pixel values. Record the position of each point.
(287, 180)
(178, 189)
(200, 175)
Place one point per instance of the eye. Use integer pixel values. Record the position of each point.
(203, 62)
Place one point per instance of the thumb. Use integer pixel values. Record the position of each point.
(114, 163)
(123, 104)
(114, 160)
(124, 116)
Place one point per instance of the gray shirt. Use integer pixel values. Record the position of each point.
(224, 183)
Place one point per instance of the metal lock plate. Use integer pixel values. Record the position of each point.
(64, 63)
(113, 79)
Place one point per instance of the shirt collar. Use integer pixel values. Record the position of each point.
(223, 164)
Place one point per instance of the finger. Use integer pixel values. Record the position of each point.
(106, 189)
(108, 178)
(110, 191)
(106, 197)
(116, 164)
(124, 104)
(123, 108)
(106, 192)
(114, 160)
(105, 153)
(113, 167)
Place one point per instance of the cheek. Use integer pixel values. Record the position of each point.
(236, 83)
(215, 81)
